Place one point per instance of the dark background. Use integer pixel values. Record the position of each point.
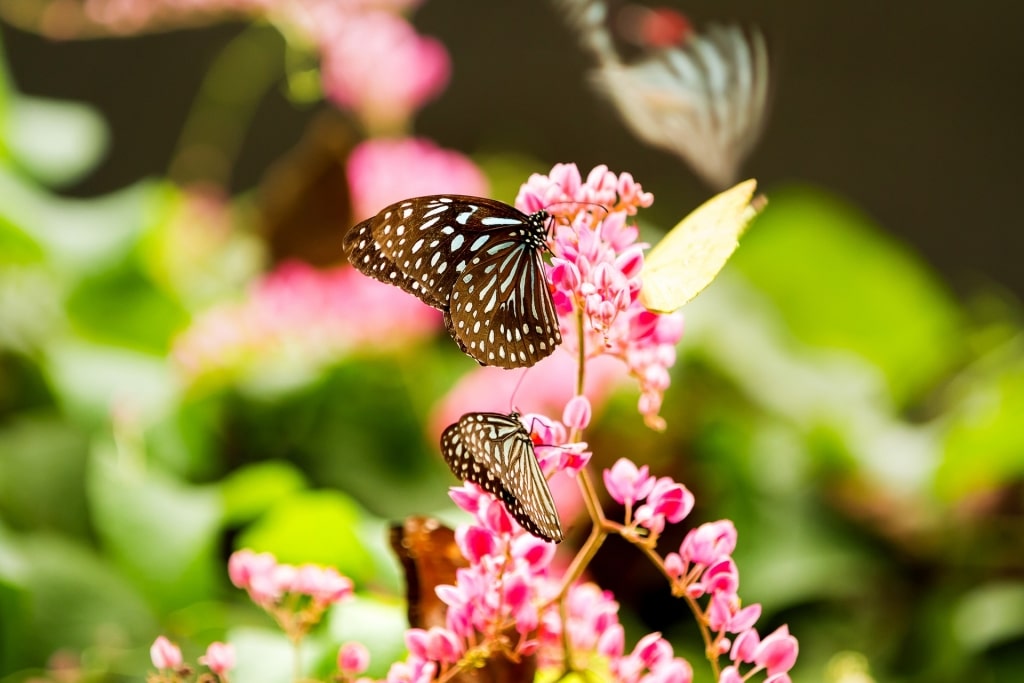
(909, 109)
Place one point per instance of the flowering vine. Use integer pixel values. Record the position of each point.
(515, 600)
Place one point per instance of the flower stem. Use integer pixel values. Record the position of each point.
(232, 88)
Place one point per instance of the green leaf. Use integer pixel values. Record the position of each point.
(69, 600)
(320, 527)
(41, 474)
(56, 142)
(79, 235)
(984, 442)
(90, 380)
(377, 623)
(990, 615)
(252, 490)
(162, 533)
(840, 282)
(121, 306)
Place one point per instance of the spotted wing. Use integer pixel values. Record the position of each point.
(495, 452)
(432, 239)
(500, 311)
(365, 254)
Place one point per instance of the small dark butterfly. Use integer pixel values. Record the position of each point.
(495, 452)
(477, 260)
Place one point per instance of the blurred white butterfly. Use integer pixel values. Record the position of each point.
(704, 100)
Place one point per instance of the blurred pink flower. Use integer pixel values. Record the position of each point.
(219, 657)
(375, 64)
(304, 315)
(381, 172)
(165, 654)
(353, 658)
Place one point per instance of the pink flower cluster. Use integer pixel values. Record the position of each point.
(506, 602)
(664, 499)
(268, 582)
(596, 269)
(301, 314)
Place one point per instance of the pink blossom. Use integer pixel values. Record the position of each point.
(298, 314)
(596, 268)
(219, 657)
(709, 542)
(577, 413)
(383, 171)
(627, 483)
(730, 674)
(353, 658)
(777, 652)
(165, 654)
(375, 64)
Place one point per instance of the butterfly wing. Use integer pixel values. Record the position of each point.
(500, 311)
(703, 101)
(494, 451)
(690, 256)
(364, 252)
(503, 447)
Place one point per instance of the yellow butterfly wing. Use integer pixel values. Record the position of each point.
(689, 257)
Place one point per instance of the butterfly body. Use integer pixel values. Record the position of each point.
(477, 260)
(495, 452)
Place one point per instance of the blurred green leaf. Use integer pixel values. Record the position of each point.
(72, 600)
(121, 306)
(30, 308)
(989, 615)
(253, 489)
(56, 142)
(840, 282)
(16, 245)
(79, 235)
(91, 380)
(320, 527)
(162, 533)
(377, 623)
(266, 656)
(41, 474)
(984, 442)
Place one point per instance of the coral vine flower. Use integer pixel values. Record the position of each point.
(219, 657)
(595, 269)
(165, 654)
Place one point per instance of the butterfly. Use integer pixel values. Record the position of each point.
(689, 257)
(703, 101)
(495, 452)
(478, 260)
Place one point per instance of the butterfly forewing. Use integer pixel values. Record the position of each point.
(495, 452)
(476, 259)
(366, 255)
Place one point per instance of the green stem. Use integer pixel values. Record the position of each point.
(216, 125)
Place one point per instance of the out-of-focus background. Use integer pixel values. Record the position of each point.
(175, 382)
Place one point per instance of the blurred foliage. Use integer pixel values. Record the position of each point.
(860, 425)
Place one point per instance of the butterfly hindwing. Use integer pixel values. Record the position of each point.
(495, 452)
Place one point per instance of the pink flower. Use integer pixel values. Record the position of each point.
(375, 64)
(626, 483)
(777, 651)
(353, 658)
(219, 657)
(165, 654)
(300, 314)
(709, 542)
(596, 268)
(381, 172)
(577, 413)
